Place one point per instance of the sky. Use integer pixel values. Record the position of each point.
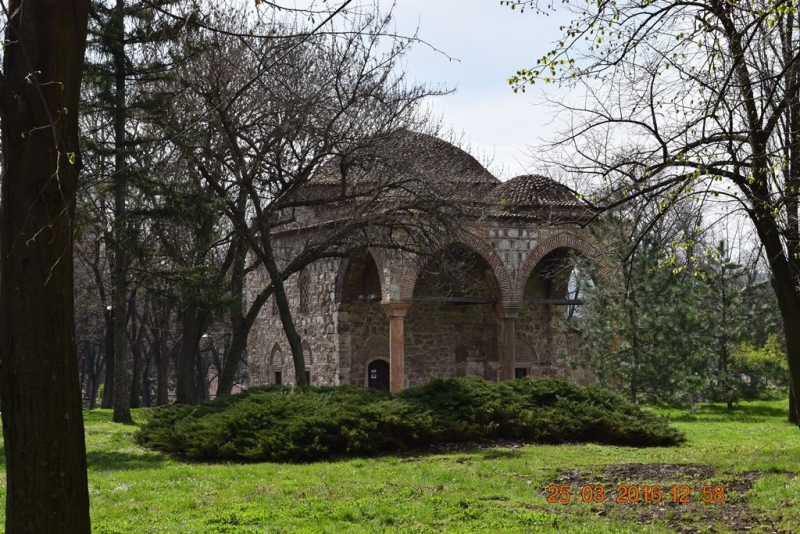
(489, 43)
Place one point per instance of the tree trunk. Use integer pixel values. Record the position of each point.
(162, 357)
(121, 398)
(147, 397)
(96, 367)
(230, 364)
(240, 324)
(108, 356)
(136, 382)
(791, 329)
(285, 312)
(122, 411)
(200, 383)
(136, 351)
(45, 453)
(786, 285)
(193, 324)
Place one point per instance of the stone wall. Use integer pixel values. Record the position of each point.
(268, 350)
(369, 339)
(442, 339)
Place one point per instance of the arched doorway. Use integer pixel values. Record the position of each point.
(378, 374)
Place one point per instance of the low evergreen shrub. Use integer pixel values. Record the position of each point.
(280, 423)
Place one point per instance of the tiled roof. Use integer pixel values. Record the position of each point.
(429, 166)
(530, 192)
(407, 155)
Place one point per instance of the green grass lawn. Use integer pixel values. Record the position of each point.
(751, 454)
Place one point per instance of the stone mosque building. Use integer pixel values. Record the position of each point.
(389, 319)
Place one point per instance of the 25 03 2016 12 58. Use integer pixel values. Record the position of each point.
(634, 494)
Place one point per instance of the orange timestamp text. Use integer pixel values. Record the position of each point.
(634, 494)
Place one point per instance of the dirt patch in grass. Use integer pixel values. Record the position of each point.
(629, 492)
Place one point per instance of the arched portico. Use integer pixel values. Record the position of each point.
(360, 277)
(275, 366)
(564, 240)
(471, 243)
(445, 322)
(430, 327)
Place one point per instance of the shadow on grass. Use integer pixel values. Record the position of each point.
(120, 461)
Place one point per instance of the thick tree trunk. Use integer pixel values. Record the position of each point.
(239, 328)
(231, 360)
(786, 288)
(791, 328)
(240, 324)
(45, 454)
(193, 325)
(122, 411)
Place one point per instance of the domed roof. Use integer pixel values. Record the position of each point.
(403, 164)
(532, 192)
(406, 155)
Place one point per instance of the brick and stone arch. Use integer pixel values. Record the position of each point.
(564, 240)
(471, 242)
(359, 277)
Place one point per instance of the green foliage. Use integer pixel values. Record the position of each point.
(641, 328)
(664, 328)
(279, 423)
(760, 372)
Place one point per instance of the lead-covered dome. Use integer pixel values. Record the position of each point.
(533, 194)
(411, 159)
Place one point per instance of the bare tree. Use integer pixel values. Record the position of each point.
(698, 98)
(306, 136)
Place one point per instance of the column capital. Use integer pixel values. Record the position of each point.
(508, 310)
(396, 309)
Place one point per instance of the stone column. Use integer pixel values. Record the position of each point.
(396, 311)
(507, 313)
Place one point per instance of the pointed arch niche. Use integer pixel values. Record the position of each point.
(451, 327)
(275, 372)
(359, 289)
(547, 289)
(375, 348)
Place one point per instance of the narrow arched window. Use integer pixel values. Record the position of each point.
(303, 284)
